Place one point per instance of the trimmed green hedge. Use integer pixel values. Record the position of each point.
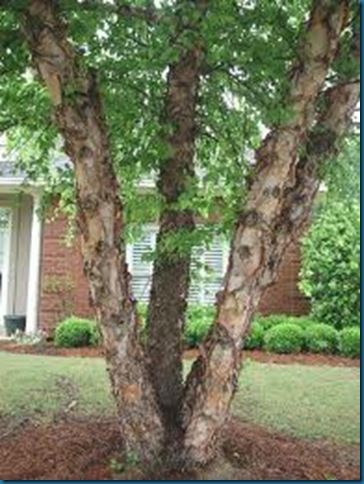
(276, 333)
(284, 338)
(255, 337)
(350, 342)
(272, 320)
(74, 332)
(321, 338)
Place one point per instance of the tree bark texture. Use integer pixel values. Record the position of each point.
(78, 114)
(278, 204)
(171, 274)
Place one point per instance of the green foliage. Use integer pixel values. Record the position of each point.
(198, 322)
(321, 338)
(284, 338)
(74, 332)
(350, 342)
(243, 86)
(254, 339)
(272, 320)
(343, 176)
(330, 273)
(142, 311)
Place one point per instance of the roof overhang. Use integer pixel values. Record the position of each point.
(15, 184)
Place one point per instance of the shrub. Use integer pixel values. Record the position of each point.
(284, 338)
(272, 320)
(350, 342)
(330, 273)
(267, 322)
(198, 322)
(302, 321)
(74, 332)
(254, 339)
(321, 338)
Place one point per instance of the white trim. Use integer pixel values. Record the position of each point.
(34, 269)
(13, 243)
(5, 291)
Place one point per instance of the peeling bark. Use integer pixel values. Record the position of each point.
(171, 274)
(78, 115)
(278, 204)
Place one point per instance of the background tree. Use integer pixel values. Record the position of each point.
(183, 88)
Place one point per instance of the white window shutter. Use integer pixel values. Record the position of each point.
(214, 268)
(141, 269)
(207, 268)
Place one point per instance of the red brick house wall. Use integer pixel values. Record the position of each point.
(64, 289)
(283, 297)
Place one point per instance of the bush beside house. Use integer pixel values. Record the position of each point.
(75, 332)
(330, 273)
(274, 333)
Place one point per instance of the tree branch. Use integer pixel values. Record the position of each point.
(171, 272)
(257, 242)
(79, 116)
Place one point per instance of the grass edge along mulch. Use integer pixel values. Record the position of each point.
(48, 349)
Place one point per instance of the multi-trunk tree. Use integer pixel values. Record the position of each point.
(184, 89)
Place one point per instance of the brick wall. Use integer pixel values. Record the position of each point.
(64, 289)
(283, 297)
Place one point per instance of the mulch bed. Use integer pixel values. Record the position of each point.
(301, 358)
(81, 450)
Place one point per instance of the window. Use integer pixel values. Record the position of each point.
(141, 268)
(208, 266)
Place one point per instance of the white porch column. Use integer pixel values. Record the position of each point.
(34, 268)
(8, 269)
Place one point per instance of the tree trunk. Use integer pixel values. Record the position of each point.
(78, 114)
(278, 204)
(171, 274)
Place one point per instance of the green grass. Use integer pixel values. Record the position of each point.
(310, 402)
(41, 386)
(305, 401)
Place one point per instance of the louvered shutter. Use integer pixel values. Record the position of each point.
(141, 269)
(208, 267)
(214, 269)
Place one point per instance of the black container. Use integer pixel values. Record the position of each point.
(14, 323)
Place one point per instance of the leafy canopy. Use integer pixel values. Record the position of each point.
(249, 46)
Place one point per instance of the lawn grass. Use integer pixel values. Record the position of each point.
(305, 401)
(41, 386)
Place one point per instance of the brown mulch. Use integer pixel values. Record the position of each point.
(48, 349)
(302, 358)
(82, 450)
